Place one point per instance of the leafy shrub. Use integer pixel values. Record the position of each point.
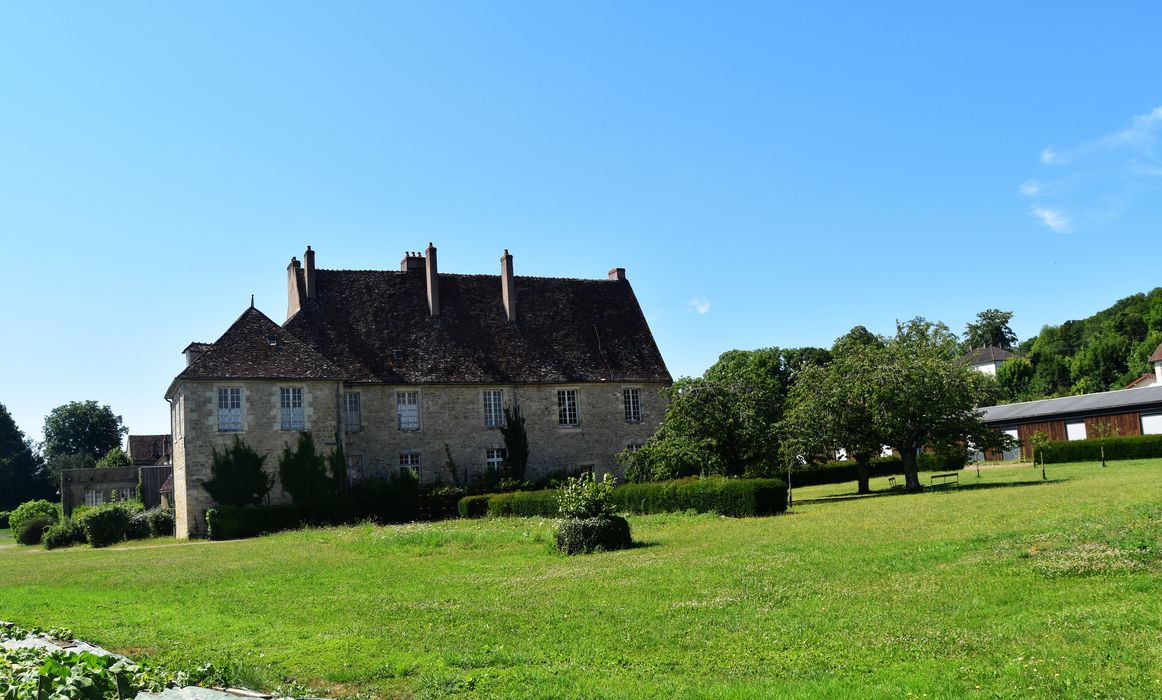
(138, 528)
(237, 477)
(583, 535)
(3, 520)
(303, 471)
(107, 524)
(66, 533)
(473, 506)
(1116, 447)
(34, 509)
(161, 521)
(394, 500)
(31, 530)
(584, 497)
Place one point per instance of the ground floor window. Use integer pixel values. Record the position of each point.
(410, 461)
(94, 497)
(354, 469)
(494, 457)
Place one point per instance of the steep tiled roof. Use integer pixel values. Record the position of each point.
(376, 326)
(1157, 356)
(255, 347)
(149, 449)
(992, 353)
(1143, 378)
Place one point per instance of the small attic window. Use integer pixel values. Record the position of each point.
(272, 339)
(397, 354)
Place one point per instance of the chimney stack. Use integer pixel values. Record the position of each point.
(294, 289)
(309, 260)
(508, 286)
(433, 281)
(411, 262)
(617, 274)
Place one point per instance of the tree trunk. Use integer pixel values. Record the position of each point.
(863, 474)
(911, 477)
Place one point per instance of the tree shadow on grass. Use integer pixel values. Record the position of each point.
(899, 491)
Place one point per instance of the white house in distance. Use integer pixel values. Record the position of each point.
(989, 359)
(1150, 378)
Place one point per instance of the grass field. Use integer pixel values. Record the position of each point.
(1003, 587)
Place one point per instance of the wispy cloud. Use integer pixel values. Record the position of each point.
(1096, 180)
(700, 304)
(1052, 218)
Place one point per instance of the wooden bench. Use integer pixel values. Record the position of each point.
(948, 479)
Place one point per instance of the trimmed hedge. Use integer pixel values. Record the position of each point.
(160, 521)
(731, 497)
(107, 524)
(138, 528)
(584, 535)
(31, 530)
(238, 522)
(1117, 447)
(64, 534)
(34, 509)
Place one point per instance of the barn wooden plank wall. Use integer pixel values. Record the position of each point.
(1055, 429)
(1122, 424)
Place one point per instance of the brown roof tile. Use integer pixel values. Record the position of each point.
(1157, 356)
(992, 353)
(255, 347)
(376, 326)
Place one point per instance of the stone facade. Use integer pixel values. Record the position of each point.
(451, 421)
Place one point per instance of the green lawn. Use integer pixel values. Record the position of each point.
(1003, 587)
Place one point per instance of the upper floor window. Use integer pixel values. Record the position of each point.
(291, 403)
(230, 409)
(352, 414)
(179, 417)
(493, 408)
(632, 398)
(407, 404)
(409, 461)
(567, 407)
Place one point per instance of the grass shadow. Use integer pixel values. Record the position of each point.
(898, 491)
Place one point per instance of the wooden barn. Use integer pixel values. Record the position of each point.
(1128, 412)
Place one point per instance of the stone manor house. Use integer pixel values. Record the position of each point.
(412, 370)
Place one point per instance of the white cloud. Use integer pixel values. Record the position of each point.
(700, 304)
(1053, 218)
(1030, 188)
(1140, 132)
(1050, 156)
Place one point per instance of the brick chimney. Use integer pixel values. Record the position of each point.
(508, 286)
(309, 261)
(433, 281)
(295, 290)
(617, 274)
(411, 262)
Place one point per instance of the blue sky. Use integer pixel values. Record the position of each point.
(769, 174)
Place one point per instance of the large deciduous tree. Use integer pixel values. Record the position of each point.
(722, 422)
(991, 328)
(832, 406)
(82, 427)
(923, 396)
(22, 475)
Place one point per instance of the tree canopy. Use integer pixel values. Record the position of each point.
(22, 475)
(82, 427)
(991, 328)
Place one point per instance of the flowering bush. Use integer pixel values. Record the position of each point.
(585, 497)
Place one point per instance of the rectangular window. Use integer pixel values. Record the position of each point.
(354, 469)
(1075, 431)
(493, 408)
(230, 410)
(407, 403)
(291, 402)
(633, 447)
(126, 493)
(352, 414)
(632, 398)
(409, 461)
(94, 497)
(567, 407)
(1152, 424)
(494, 457)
